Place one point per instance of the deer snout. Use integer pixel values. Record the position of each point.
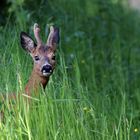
(47, 70)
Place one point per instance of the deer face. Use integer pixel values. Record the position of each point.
(43, 54)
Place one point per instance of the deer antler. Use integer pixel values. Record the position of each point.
(36, 34)
(53, 38)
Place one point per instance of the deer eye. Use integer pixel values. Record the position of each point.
(53, 58)
(36, 58)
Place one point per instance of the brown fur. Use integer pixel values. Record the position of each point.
(45, 54)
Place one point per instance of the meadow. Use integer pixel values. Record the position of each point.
(94, 92)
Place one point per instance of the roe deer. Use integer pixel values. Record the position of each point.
(43, 56)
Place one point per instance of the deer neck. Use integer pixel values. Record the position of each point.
(34, 83)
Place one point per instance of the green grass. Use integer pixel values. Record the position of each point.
(94, 93)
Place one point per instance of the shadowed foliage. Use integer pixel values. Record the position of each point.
(94, 91)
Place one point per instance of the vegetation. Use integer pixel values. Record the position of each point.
(94, 91)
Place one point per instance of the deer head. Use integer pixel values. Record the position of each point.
(43, 54)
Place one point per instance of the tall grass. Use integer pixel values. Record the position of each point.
(94, 91)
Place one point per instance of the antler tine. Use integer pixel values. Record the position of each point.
(36, 34)
(53, 38)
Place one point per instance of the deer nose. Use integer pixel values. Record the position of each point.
(47, 69)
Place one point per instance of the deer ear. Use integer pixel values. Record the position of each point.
(27, 42)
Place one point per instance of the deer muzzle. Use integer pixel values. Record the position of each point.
(47, 70)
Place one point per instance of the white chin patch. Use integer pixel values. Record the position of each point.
(46, 74)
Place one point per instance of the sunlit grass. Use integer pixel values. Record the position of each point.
(93, 93)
